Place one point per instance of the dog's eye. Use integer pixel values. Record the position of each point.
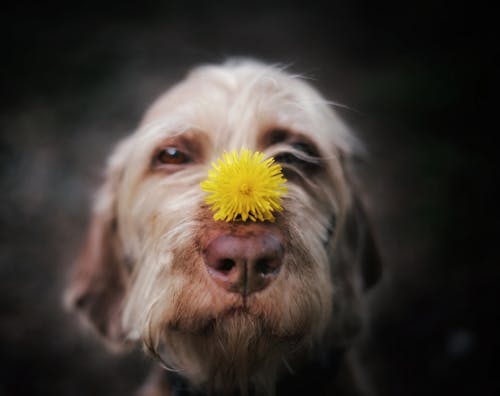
(302, 155)
(305, 148)
(286, 158)
(172, 156)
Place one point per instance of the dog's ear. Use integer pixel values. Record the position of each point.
(358, 239)
(355, 251)
(356, 267)
(99, 277)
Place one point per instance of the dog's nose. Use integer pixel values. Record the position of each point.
(244, 265)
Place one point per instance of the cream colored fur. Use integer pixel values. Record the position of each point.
(161, 224)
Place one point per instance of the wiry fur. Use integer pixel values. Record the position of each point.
(158, 225)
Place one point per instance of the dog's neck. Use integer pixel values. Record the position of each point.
(315, 378)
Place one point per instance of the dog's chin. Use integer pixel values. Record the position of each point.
(224, 343)
(236, 351)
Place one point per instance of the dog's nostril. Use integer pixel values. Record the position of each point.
(267, 266)
(225, 265)
(244, 264)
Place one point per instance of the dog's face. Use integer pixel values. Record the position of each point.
(226, 303)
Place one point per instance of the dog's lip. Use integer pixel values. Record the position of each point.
(208, 323)
(236, 310)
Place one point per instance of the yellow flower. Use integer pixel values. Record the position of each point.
(244, 186)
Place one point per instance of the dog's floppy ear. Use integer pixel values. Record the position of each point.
(356, 253)
(358, 238)
(99, 277)
(356, 267)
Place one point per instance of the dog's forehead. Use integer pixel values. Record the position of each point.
(222, 100)
(221, 87)
(236, 105)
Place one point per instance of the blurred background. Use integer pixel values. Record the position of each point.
(416, 79)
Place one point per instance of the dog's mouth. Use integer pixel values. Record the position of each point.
(240, 310)
(224, 348)
(205, 325)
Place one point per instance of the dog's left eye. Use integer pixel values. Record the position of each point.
(172, 156)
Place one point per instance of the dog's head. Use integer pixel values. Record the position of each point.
(228, 303)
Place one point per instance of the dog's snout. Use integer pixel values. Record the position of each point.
(244, 264)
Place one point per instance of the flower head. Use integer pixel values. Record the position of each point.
(244, 186)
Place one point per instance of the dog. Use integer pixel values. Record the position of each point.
(280, 311)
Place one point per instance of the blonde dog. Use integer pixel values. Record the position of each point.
(229, 307)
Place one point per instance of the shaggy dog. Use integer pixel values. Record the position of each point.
(229, 307)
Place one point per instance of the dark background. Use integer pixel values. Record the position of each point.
(418, 79)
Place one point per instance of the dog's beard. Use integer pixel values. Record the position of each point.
(235, 351)
(214, 339)
(221, 348)
(238, 347)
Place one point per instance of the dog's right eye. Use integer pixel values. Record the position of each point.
(172, 156)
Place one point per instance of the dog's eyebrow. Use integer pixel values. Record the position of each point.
(277, 135)
(273, 136)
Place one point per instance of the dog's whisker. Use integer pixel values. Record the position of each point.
(287, 366)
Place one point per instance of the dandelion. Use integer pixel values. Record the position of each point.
(244, 186)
